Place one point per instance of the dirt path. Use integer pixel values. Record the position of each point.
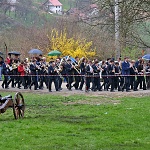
(65, 92)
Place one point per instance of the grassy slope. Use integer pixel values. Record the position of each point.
(49, 124)
(39, 18)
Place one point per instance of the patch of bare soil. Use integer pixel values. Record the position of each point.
(93, 102)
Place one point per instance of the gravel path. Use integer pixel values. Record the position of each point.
(65, 92)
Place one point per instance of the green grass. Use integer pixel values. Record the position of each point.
(50, 123)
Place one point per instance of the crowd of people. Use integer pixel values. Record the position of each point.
(109, 75)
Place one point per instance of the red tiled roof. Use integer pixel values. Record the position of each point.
(93, 6)
(55, 2)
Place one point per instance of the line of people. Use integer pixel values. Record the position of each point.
(97, 76)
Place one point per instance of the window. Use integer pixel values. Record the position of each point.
(56, 6)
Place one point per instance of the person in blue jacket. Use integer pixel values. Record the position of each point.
(5, 72)
(126, 74)
(1, 63)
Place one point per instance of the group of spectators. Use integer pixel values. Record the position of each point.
(109, 75)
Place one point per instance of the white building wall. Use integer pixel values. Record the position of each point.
(56, 9)
(12, 1)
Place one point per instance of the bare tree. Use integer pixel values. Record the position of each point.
(132, 13)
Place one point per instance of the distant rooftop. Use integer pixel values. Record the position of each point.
(55, 2)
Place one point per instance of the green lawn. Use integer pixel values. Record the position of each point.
(78, 123)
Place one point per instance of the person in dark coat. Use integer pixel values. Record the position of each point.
(58, 66)
(5, 72)
(33, 69)
(126, 74)
(1, 62)
(148, 75)
(89, 75)
(133, 73)
(136, 65)
(117, 76)
(111, 75)
(69, 72)
(76, 73)
(82, 70)
(104, 75)
(96, 71)
(53, 77)
(140, 77)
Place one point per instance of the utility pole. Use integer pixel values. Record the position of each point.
(117, 33)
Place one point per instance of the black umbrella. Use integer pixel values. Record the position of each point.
(14, 53)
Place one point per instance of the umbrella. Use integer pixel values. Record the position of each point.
(71, 58)
(146, 57)
(1, 53)
(14, 53)
(35, 51)
(54, 53)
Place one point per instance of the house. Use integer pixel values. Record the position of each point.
(87, 13)
(11, 1)
(53, 6)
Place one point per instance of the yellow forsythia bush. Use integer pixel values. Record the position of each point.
(69, 46)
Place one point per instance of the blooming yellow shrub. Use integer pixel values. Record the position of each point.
(70, 46)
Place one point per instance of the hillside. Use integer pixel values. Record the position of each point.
(27, 13)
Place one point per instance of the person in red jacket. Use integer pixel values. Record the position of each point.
(8, 59)
(21, 70)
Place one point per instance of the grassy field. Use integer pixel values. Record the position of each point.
(78, 123)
